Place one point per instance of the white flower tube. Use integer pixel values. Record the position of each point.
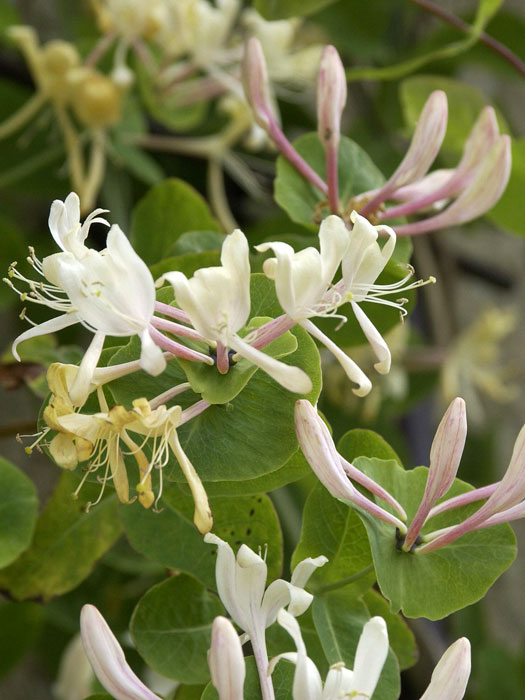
(226, 660)
(450, 677)
(107, 658)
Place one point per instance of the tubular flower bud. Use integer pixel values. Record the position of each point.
(331, 97)
(256, 83)
(226, 660)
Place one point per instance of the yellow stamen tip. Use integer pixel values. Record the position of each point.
(28, 450)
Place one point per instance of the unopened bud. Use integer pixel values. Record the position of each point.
(451, 674)
(96, 100)
(331, 97)
(59, 57)
(256, 84)
(445, 455)
(226, 660)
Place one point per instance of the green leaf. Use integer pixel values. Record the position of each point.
(282, 678)
(21, 624)
(218, 388)
(171, 627)
(301, 200)
(400, 635)
(66, 544)
(465, 103)
(197, 242)
(170, 538)
(365, 443)
(333, 529)
(507, 213)
(282, 9)
(339, 620)
(18, 512)
(433, 584)
(295, 468)
(163, 214)
(136, 161)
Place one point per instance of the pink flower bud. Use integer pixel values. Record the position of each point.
(331, 97)
(450, 677)
(256, 84)
(445, 455)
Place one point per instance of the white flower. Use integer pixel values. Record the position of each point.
(241, 583)
(217, 301)
(110, 292)
(370, 658)
(107, 658)
(303, 282)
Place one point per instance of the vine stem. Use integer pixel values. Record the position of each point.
(466, 28)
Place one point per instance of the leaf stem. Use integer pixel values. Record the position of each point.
(345, 581)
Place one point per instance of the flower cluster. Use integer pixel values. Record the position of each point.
(469, 190)
(505, 498)
(112, 293)
(241, 582)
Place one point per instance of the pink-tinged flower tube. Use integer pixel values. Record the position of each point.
(107, 658)
(450, 677)
(426, 142)
(319, 450)
(445, 455)
(484, 190)
(257, 91)
(504, 503)
(331, 100)
(226, 660)
(435, 189)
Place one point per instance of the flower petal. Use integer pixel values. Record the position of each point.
(51, 326)
(226, 660)
(451, 674)
(370, 656)
(375, 339)
(81, 386)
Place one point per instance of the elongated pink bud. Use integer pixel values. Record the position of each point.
(484, 190)
(331, 97)
(320, 452)
(426, 142)
(445, 455)
(226, 660)
(256, 84)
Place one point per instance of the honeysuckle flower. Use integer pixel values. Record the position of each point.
(370, 657)
(241, 583)
(450, 677)
(445, 455)
(334, 471)
(107, 658)
(217, 302)
(111, 293)
(303, 282)
(474, 366)
(100, 437)
(226, 660)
